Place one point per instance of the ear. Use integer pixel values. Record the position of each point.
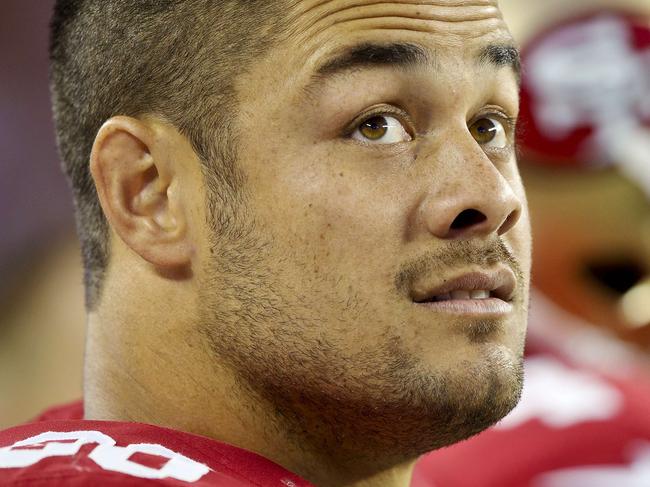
(138, 181)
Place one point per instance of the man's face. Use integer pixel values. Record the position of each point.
(377, 149)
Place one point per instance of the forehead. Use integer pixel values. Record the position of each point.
(446, 27)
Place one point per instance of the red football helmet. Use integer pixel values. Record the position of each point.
(585, 95)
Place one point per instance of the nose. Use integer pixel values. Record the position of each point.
(470, 198)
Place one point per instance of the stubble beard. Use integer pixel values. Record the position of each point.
(376, 406)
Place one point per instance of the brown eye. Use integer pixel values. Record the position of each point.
(381, 129)
(483, 130)
(489, 132)
(374, 128)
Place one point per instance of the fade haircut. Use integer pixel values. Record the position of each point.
(174, 59)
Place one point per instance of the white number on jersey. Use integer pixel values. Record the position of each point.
(106, 454)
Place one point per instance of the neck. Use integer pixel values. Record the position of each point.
(396, 476)
(144, 373)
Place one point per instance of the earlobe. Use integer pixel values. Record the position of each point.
(137, 183)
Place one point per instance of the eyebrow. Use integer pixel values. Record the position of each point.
(405, 56)
(502, 55)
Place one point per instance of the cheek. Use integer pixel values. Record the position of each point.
(353, 222)
(337, 211)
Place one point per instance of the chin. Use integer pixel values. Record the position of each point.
(417, 409)
(476, 396)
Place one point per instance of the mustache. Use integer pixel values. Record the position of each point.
(457, 254)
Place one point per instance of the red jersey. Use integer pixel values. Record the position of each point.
(68, 451)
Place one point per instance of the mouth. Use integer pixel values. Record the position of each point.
(477, 292)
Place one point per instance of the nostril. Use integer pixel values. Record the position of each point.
(468, 218)
(509, 223)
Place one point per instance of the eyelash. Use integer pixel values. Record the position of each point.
(509, 123)
(401, 115)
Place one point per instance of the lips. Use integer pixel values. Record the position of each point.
(499, 284)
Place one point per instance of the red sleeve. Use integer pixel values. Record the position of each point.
(64, 412)
(71, 453)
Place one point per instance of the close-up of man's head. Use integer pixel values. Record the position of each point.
(302, 222)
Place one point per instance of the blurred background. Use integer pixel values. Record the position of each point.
(584, 157)
(41, 308)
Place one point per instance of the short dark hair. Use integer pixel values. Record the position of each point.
(176, 59)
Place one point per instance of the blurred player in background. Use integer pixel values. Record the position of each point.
(586, 159)
(584, 419)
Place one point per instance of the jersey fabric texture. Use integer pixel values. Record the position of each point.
(60, 449)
